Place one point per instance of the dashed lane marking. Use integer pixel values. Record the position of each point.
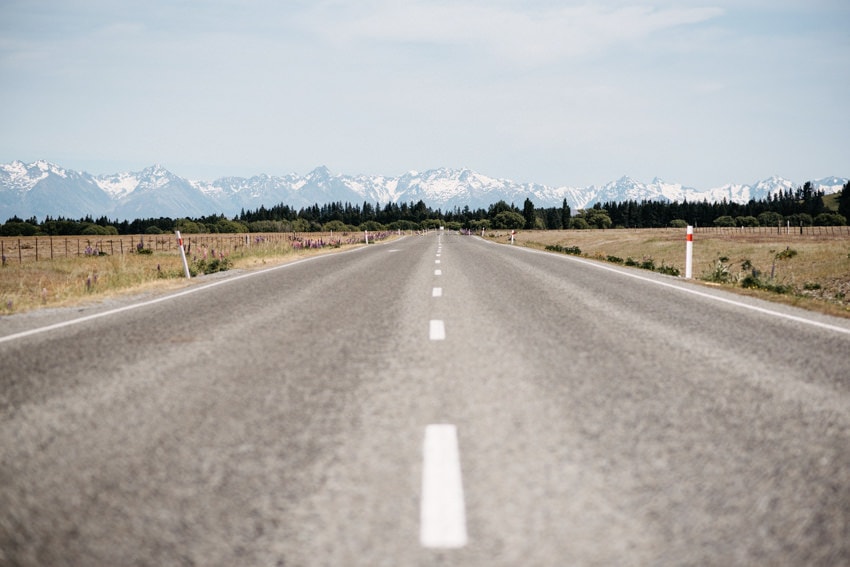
(442, 511)
(437, 330)
(437, 292)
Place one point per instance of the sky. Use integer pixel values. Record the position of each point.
(560, 93)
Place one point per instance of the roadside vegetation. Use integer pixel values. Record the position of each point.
(100, 272)
(810, 271)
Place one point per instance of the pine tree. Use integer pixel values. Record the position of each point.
(528, 214)
(844, 202)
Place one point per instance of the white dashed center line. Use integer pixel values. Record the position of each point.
(437, 331)
(438, 272)
(437, 292)
(442, 512)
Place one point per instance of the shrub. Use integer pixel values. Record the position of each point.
(752, 281)
(669, 270)
(830, 219)
(746, 221)
(575, 250)
(720, 271)
(204, 266)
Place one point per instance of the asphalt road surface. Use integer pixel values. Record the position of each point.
(435, 400)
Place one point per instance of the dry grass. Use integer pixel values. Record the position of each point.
(66, 281)
(817, 277)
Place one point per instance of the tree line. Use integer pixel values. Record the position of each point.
(803, 206)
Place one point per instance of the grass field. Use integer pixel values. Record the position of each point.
(810, 271)
(112, 265)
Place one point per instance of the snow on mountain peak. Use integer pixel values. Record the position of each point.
(158, 191)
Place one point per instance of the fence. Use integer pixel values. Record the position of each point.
(780, 230)
(45, 248)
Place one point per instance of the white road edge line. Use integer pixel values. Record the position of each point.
(437, 330)
(442, 509)
(696, 292)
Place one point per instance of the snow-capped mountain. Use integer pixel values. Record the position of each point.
(42, 188)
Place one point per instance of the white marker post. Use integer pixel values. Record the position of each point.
(689, 253)
(366, 232)
(513, 232)
(183, 254)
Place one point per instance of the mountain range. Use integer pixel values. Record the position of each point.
(42, 188)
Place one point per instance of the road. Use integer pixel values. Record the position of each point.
(435, 400)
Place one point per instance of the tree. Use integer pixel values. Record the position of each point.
(335, 226)
(498, 207)
(565, 214)
(844, 201)
(746, 221)
(528, 214)
(724, 220)
(578, 223)
(830, 219)
(597, 217)
(18, 229)
(509, 220)
(770, 218)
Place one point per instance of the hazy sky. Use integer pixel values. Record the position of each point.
(562, 93)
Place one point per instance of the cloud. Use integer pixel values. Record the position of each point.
(528, 36)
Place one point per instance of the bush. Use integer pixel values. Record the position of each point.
(830, 219)
(752, 281)
(202, 266)
(725, 220)
(669, 270)
(770, 218)
(575, 250)
(746, 221)
(720, 272)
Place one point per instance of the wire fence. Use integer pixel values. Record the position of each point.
(22, 249)
(778, 230)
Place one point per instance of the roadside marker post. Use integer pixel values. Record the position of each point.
(183, 254)
(366, 232)
(689, 253)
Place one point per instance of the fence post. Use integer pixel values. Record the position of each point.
(689, 252)
(183, 255)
